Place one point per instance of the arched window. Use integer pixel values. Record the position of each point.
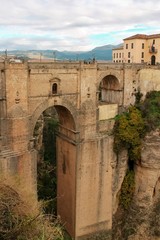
(54, 88)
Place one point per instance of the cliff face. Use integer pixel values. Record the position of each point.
(142, 220)
(119, 166)
(147, 192)
(148, 173)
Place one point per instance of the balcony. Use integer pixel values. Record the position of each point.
(153, 50)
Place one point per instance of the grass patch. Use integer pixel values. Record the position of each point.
(22, 217)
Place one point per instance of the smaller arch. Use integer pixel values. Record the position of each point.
(54, 88)
(109, 90)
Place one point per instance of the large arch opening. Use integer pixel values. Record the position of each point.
(55, 142)
(109, 90)
(45, 144)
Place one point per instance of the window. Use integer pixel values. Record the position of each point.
(126, 46)
(153, 41)
(54, 88)
(128, 61)
(114, 55)
(142, 55)
(119, 55)
(132, 45)
(129, 54)
(142, 45)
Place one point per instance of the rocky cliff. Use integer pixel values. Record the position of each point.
(141, 221)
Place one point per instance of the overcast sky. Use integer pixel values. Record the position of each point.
(74, 24)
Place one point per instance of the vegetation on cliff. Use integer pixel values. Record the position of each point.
(132, 125)
(150, 109)
(130, 130)
(127, 190)
(22, 218)
(155, 220)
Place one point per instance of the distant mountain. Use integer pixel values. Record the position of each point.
(99, 53)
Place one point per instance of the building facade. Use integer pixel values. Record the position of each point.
(139, 48)
(118, 55)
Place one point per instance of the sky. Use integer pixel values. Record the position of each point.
(74, 25)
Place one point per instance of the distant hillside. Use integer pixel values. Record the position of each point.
(99, 53)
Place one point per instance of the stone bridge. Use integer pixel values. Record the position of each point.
(86, 96)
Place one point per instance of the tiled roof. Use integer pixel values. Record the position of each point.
(153, 36)
(137, 36)
(143, 36)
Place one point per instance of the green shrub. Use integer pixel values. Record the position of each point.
(128, 131)
(131, 126)
(127, 189)
(150, 109)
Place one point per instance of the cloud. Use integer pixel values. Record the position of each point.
(76, 25)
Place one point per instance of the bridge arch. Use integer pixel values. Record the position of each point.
(67, 107)
(66, 155)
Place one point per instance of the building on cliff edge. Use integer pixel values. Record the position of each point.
(139, 48)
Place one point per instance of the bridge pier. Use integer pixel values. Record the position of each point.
(84, 195)
(94, 189)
